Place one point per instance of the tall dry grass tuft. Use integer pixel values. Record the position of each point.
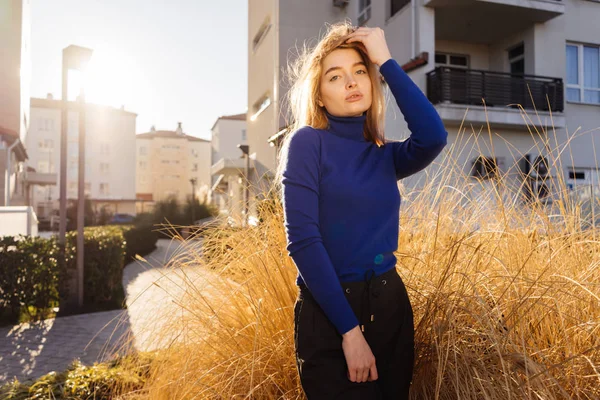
(505, 294)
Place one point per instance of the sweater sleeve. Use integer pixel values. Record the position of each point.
(428, 136)
(301, 219)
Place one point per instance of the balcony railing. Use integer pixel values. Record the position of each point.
(500, 89)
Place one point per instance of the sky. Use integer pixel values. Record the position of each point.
(167, 61)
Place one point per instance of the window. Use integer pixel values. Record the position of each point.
(143, 164)
(262, 32)
(583, 73)
(397, 5)
(516, 59)
(364, 11)
(260, 105)
(46, 145)
(170, 147)
(105, 148)
(195, 168)
(195, 153)
(104, 188)
(580, 175)
(104, 168)
(143, 151)
(451, 60)
(243, 134)
(46, 124)
(485, 167)
(43, 166)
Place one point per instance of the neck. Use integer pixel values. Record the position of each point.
(352, 128)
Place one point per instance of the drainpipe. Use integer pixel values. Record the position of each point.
(413, 9)
(9, 150)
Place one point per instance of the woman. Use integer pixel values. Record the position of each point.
(353, 322)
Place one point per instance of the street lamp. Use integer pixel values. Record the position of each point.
(193, 182)
(76, 58)
(246, 150)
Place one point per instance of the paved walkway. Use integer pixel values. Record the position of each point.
(29, 351)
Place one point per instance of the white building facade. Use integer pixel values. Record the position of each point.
(15, 75)
(229, 164)
(110, 163)
(167, 163)
(458, 52)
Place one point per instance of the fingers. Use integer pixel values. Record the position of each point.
(363, 374)
(373, 372)
(352, 374)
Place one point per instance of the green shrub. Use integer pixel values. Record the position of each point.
(99, 381)
(32, 281)
(29, 277)
(140, 240)
(104, 252)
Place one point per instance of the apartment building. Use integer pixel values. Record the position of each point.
(167, 161)
(109, 155)
(458, 52)
(229, 164)
(15, 74)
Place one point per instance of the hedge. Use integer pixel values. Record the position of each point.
(31, 279)
(29, 276)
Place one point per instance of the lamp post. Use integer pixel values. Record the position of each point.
(246, 150)
(193, 182)
(76, 58)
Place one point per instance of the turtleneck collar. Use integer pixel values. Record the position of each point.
(348, 127)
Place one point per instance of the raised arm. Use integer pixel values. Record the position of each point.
(428, 135)
(301, 219)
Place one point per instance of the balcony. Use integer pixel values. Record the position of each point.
(228, 166)
(452, 89)
(487, 21)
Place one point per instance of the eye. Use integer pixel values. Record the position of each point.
(361, 70)
(335, 76)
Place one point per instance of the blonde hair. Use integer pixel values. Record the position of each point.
(305, 75)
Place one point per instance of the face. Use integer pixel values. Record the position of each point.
(344, 74)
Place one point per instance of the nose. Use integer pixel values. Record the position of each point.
(351, 82)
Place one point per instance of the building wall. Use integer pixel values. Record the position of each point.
(262, 67)
(226, 135)
(166, 165)
(544, 45)
(110, 164)
(200, 153)
(15, 75)
(582, 120)
(15, 68)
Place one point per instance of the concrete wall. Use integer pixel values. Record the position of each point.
(18, 221)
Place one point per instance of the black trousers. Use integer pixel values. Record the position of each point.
(381, 303)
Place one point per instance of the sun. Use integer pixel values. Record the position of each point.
(108, 79)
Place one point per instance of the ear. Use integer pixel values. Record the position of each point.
(320, 103)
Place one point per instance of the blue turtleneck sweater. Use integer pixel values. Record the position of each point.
(341, 199)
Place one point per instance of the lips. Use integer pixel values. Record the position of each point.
(354, 96)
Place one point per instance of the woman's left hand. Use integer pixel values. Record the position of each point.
(373, 40)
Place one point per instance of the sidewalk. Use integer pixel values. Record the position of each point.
(31, 350)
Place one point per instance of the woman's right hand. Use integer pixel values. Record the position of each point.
(359, 357)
